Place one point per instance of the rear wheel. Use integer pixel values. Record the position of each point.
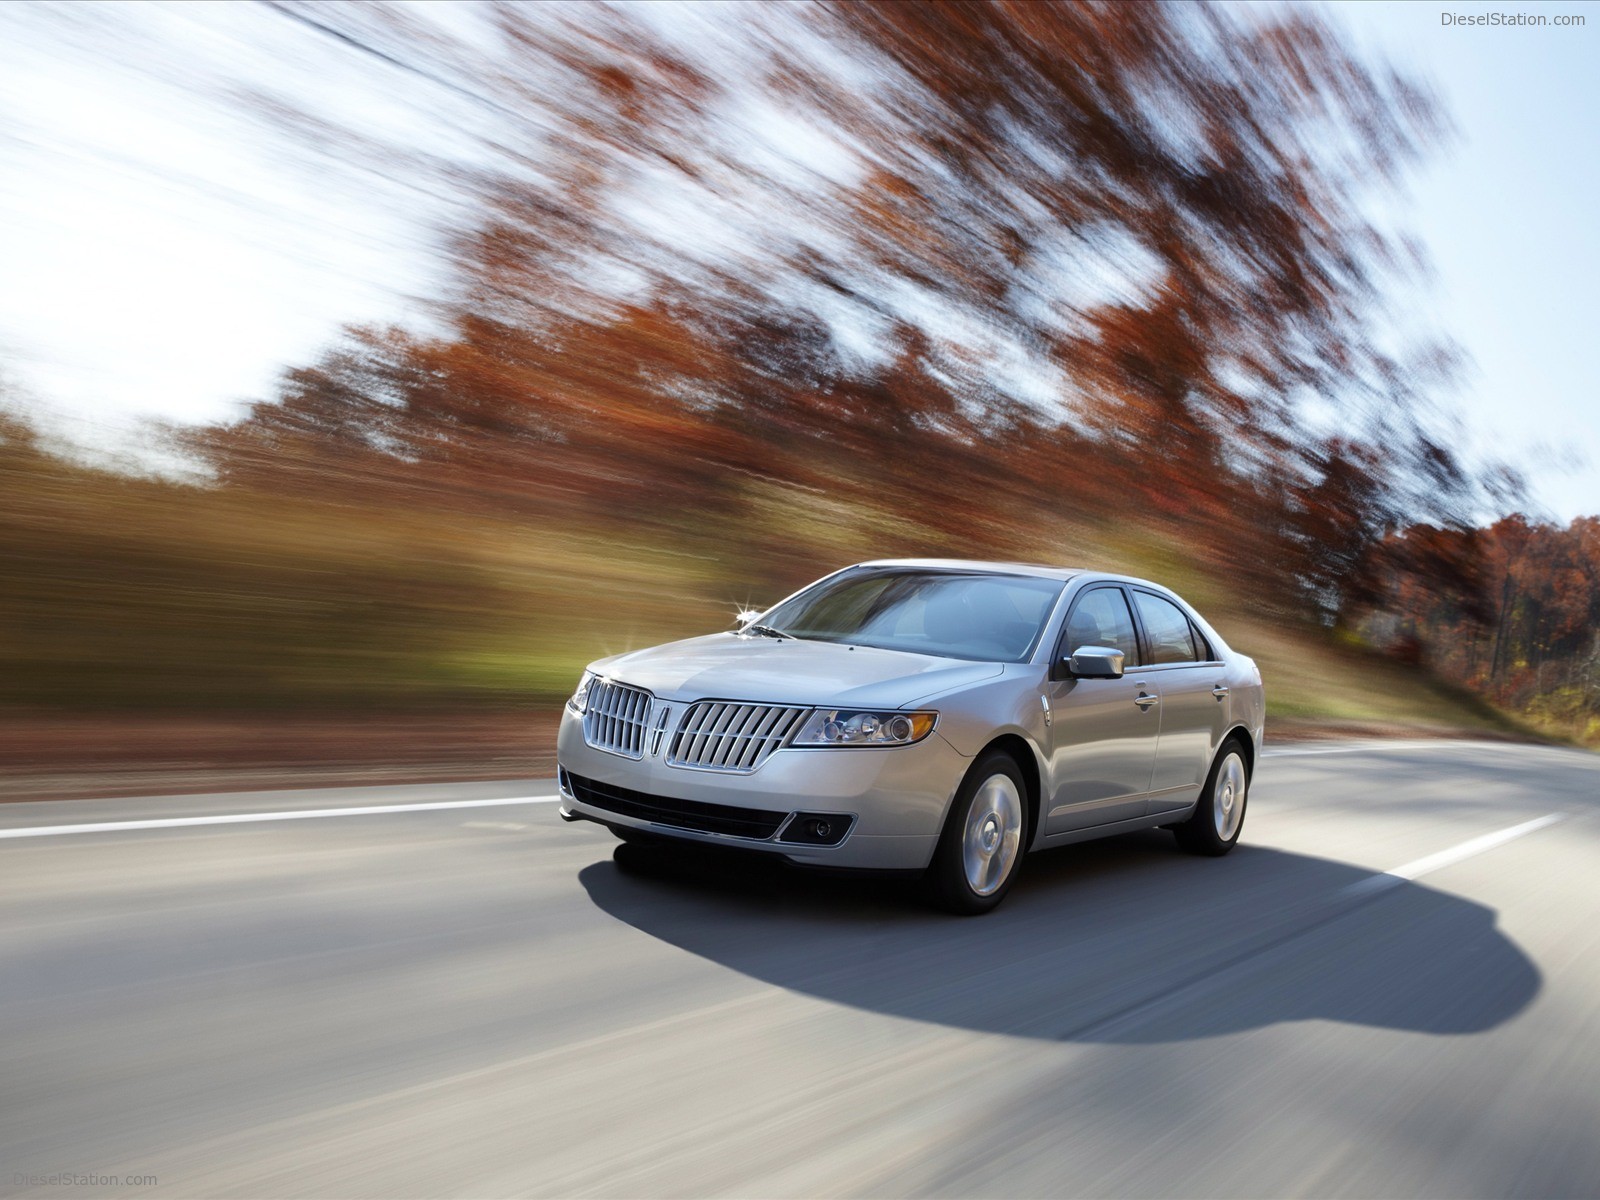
(1219, 816)
(984, 838)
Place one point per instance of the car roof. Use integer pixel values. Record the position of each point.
(963, 564)
(1038, 570)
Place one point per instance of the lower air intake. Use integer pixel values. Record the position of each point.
(680, 814)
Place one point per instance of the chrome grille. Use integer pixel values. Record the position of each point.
(616, 717)
(719, 736)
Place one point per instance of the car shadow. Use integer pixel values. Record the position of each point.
(1121, 940)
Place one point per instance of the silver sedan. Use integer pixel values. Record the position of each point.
(928, 716)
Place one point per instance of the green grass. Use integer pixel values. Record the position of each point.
(135, 596)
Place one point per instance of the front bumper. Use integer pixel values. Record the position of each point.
(896, 797)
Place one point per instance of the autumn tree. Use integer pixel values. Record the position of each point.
(949, 261)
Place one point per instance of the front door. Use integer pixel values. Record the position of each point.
(1103, 732)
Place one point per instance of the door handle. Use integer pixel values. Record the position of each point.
(1219, 691)
(1144, 701)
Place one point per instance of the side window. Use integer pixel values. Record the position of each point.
(1101, 618)
(1171, 640)
(1202, 647)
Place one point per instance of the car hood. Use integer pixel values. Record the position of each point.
(725, 666)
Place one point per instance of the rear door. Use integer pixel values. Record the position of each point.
(1193, 694)
(1103, 732)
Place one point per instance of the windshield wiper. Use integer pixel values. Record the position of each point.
(767, 631)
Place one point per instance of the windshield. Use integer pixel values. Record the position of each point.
(953, 614)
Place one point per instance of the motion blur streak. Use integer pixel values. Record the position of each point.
(297, 814)
(419, 1005)
(703, 301)
(726, 297)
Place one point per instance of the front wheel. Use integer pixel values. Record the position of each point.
(983, 840)
(1219, 816)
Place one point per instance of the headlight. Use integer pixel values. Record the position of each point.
(842, 727)
(580, 698)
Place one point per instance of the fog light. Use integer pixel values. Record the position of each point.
(817, 829)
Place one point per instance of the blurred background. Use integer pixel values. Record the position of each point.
(367, 369)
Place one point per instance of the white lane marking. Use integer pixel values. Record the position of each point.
(291, 814)
(1447, 858)
(1380, 747)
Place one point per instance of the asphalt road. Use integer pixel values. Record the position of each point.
(480, 1001)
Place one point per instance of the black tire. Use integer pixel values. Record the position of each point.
(1205, 833)
(645, 858)
(947, 881)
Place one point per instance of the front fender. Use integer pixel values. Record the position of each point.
(1012, 703)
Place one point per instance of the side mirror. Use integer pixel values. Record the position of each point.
(1095, 662)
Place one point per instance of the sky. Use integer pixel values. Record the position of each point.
(1509, 217)
(163, 253)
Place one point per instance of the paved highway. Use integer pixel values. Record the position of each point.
(1391, 988)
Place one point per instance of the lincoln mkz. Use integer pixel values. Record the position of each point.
(928, 716)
